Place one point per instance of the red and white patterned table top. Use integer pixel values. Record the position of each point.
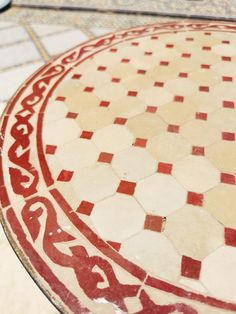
(118, 164)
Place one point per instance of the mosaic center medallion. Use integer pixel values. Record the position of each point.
(118, 172)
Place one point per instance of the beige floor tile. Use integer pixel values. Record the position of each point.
(19, 54)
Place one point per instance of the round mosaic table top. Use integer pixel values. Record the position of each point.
(118, 187)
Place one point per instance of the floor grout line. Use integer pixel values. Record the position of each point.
(36, 41)
(17, 66)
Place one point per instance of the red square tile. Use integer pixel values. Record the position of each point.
(113, 50)
(227, 178)
(204, 89)
(207, 33)
(164, 63)
(169, 45)
(86, 134)
(206, 48)
(159, 84)
(151, 109)
(228, 136)
(104, 103)
(230, 237)
(141, 72)
(120, 120)
(228, 104)
(225, 42)
(105, 157)
(148, 53)
(65, 175)
(140, 142)
(173, 128)
(76, 76)
(164, 168)
(201, 116)
(72, 115)
(189, 39)
(60, 98)
(186, 55)
(132, 93)
(115, 245)
(154, 223)
(205, 66)
(195, 199)
(154, 37)
(126, 187)
(183, 74)
(179, 98)
(101, 68)
(225, 58)
(198, 151)
(51, 149)
(115, 80)
(125, 60)
(85, 208)
(88, 89)
(227, 79)
(134, 43)
(190, 267)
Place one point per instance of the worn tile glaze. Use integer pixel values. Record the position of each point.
(118, 189)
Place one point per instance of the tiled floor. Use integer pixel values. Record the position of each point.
(125, 200)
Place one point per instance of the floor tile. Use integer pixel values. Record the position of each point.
(12, 79)
(12, 35)
(18, 54)
(69, 38)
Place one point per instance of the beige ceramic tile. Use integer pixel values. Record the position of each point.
(113, 138)
(200, 133)
(188, 229)
(146, 125)
(155, 96)
(154, 252)
(95, 182)
(160, 194)
(116, 91)
(77, 154)
(222, 154)
(218, 273)
(127, 107)
(177, 113)
(168, 147)
(133, 164)
(95, 118)
(110, 217)
(224, 119)
(220, 202)
(196, 173)
(70, 129)
(181, 86)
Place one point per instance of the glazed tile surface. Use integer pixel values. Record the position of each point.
(118, 189)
